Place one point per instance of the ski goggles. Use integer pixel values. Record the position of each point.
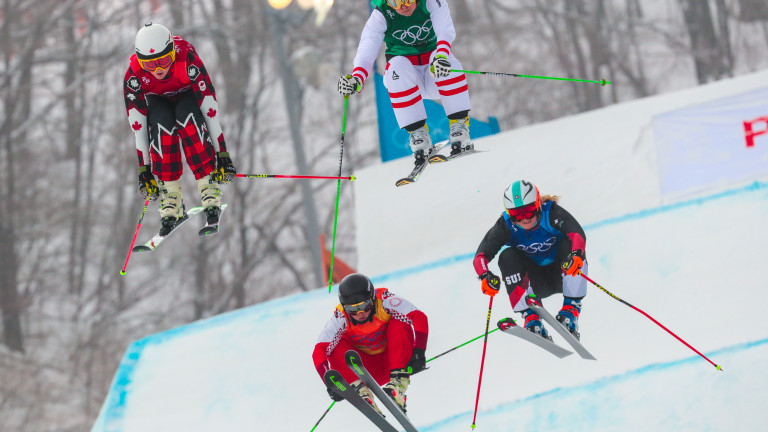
(525, 212)
(397, 4)
(363, 306)
(162, 62)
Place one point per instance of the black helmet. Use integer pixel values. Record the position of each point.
(355, 288)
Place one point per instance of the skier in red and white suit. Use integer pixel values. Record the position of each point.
(171, 105)
(388, 332)
(418, 36)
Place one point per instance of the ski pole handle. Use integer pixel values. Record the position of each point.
(135, 234)
(602, 82)
(350, 178)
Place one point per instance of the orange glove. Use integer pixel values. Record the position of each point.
(491, 283)
(573, 262)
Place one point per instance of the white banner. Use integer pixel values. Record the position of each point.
(714, 144)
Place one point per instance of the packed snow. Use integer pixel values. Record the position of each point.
(695, 265)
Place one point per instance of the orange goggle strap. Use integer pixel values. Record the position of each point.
(397, 4)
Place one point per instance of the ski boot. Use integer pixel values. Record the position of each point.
(397, 386)
(569, 315)
(366, 394)
(533, 324)
(459, 136)
(171, 206)
(421, 144)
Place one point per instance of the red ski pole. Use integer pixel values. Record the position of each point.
(146, 204)
(482, 362)
(651, 318)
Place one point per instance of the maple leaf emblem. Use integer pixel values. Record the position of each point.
(211, 112)
(136, 126)
(151, 50)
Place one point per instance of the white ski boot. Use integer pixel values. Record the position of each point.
(365, 393)
(459, 136)
(171, 205)
(397, 386)
(421, 144)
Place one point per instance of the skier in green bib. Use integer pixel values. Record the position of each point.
(418, 36)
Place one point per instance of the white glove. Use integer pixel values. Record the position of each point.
(440, 66)
(349, 84)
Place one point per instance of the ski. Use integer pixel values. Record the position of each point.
(209, 229)
(339, 385)
(559, 328)
(155, 241)
(356, 364)
(510, 327)
(438, 158)
(418, 169)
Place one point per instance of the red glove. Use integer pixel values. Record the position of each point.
(573, 262)
(491, 283)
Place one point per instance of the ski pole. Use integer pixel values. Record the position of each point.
(602, 82)
(482, 362)
(146, 204)
(323, 416)
(457, 347)
(651, 318)
(338, 191)
(350, 178)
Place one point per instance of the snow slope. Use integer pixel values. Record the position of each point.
(695, 265)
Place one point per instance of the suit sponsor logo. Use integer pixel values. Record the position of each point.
(513, 279)
(193, 72)
(133, 84)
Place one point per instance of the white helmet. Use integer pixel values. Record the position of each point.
(153, 41)
(522, 200)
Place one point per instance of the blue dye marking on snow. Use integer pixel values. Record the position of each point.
(600, 383)
(121, 387)
(444, 262)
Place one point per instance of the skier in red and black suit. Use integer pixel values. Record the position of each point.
(545, 254)
(171, 105)
(388, 332)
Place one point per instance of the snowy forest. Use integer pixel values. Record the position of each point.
(68, 184)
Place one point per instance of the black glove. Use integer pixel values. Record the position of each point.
(147, 184)
(225, 171)
(335, 396)
(491, 283)
(418, 361)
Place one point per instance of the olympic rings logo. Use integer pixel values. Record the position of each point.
(538, 247)
(414, 34)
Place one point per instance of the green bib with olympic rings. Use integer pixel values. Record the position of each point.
(407, 35)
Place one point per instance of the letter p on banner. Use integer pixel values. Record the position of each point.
(749, 131)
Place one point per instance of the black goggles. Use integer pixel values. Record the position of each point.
(363, 306)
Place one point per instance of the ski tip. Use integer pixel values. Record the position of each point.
(141, 248)
(404, 181)
(208, 231)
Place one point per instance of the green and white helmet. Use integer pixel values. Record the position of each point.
(522, 200)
